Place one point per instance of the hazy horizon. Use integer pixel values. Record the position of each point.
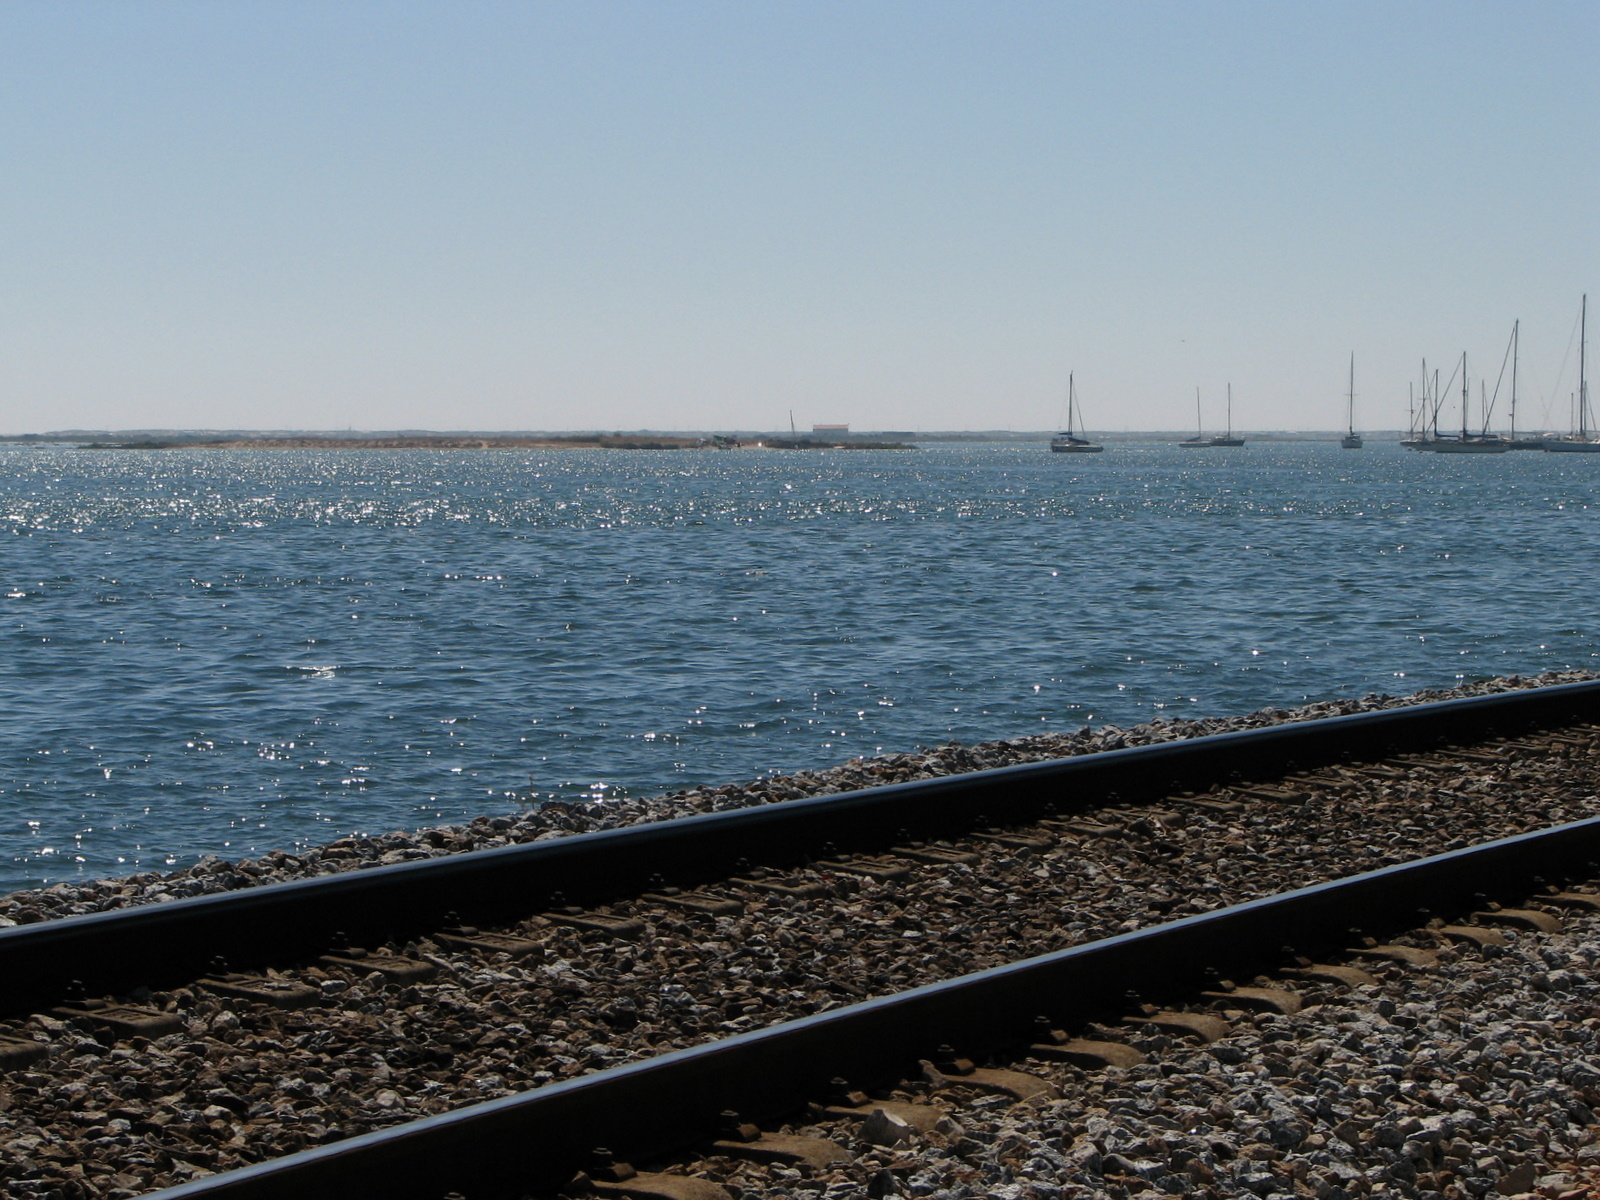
(947, 435)
(707, 216)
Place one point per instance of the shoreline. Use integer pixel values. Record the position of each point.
(212, 874)
(598, 442)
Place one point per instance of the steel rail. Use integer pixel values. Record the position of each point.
(166, 944)
(535, 1141)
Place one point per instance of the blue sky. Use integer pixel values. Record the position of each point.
(704, 215)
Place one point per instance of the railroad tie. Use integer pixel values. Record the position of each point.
(1259, 999)
(1411, 956)
(1306, 782)
(276, 992)
(1350, 977)
(124, 1020)
(1197, 1025)
(1084, 828)
(1574, 743)
(846, 1104)
(396, 968)
(1205, 804)
(936, 854)
(1520, 918)
(741, 1139)
(1084, 1052)
(595, 922)
(1057, 1044)
(760, 880)
(469, 937)
(1277, 795)
(609, 1176)
(1476, 935)
(705, 903)
(19, 1052)
(1524, 746)
(948, 1070)
(1017, 841)
(883, 870)
(1380, 771)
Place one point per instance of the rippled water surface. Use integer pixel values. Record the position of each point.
(228, 652)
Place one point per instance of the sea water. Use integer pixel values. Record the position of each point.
(227, 652)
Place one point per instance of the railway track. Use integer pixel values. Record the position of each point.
(916, 1051)
(932, 881)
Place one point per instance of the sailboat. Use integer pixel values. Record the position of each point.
(1483, 442)
(1523, 443)
(1417, 419)
(1352, 439)
(1228, 439)
(1425, 432)
(1068, 442)
(1199, 439)
(1582, 440)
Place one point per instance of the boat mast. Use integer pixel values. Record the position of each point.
(1352, 393)
(1069, 404)
(1199, 430)
(1583, 388)
(1421, 415)
(1230, 408)
(1425, 407)
(1463, 395)
(1515, 326)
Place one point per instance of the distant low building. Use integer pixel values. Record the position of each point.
(830, 429)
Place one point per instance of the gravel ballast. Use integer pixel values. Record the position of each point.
(1478, 1078)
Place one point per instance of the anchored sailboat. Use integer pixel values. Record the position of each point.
(1199, 439)
(1425, 425)
(1417, 419)
(1583, 439)
(1068, 442)
(1228, 439)
(1482, 442)
(1523, 443)
(1352, 440)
